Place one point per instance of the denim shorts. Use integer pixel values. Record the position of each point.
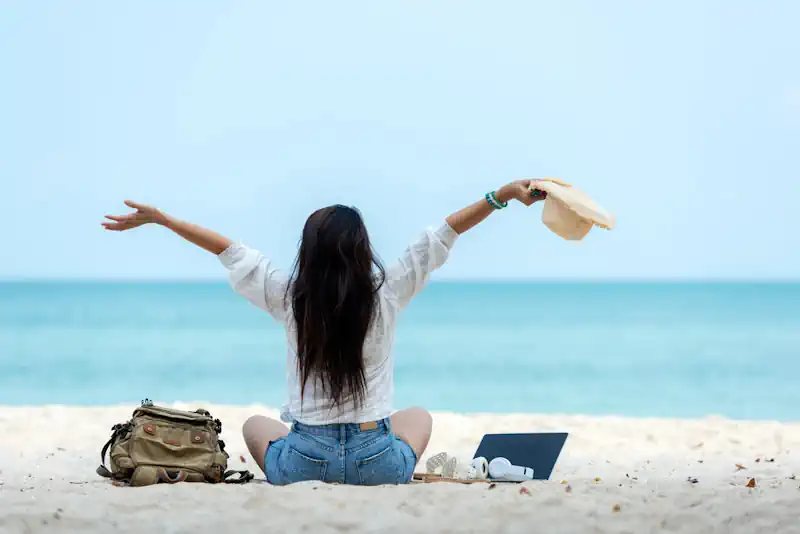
(340, 453)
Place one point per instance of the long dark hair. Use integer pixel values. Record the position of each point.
(333, 293)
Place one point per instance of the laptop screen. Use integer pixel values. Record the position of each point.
(540, 452)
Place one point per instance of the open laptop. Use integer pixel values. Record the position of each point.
(537, 451)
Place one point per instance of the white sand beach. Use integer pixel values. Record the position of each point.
(614, 475)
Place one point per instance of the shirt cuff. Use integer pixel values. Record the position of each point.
(230, 255)
(447, 235)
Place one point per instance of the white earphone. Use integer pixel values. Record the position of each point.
(502, 469)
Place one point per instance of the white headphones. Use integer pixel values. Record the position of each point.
(480, 468)
(502, 469)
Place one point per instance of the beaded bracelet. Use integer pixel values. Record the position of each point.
(493, 202)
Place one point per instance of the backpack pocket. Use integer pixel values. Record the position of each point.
(169, 444)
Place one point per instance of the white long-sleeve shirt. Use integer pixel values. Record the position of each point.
(254, 277)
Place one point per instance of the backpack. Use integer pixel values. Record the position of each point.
(166, 445)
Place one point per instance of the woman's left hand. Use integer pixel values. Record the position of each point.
(521, 190)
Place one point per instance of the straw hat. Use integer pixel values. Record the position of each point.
(569, 212)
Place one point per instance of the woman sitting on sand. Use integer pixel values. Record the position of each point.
(339, 308)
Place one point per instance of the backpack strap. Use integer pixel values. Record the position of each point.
(116, 431)
(244, 477)
(163, 476)
(105, 450)
(102, 470)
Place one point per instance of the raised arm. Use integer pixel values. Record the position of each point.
(202, 237)
(411, 272)
(469, 217)
(251, 275)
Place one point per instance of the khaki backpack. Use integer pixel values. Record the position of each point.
(166, 445)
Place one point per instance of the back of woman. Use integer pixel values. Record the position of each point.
(339, 307)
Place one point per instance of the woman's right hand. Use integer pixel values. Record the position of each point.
(143, 215)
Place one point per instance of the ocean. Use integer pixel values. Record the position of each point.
(632, 349)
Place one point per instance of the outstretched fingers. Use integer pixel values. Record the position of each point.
(120, 218)
(117, 227)
(121, 222)
(135, 205)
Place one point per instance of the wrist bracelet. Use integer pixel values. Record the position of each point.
(491, 198)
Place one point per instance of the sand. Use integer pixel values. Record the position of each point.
(614, 475)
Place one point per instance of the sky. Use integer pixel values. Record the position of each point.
(682, 118)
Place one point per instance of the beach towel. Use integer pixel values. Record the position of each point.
(569, 212)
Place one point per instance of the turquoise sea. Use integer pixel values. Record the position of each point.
(635, 349)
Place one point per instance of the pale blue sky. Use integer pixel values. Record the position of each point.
(683, 118)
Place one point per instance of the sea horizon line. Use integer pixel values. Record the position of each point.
(436, 281)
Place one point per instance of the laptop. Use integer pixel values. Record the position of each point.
(537, 451)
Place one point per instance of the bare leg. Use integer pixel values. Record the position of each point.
(414, 426)
(258, 431)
